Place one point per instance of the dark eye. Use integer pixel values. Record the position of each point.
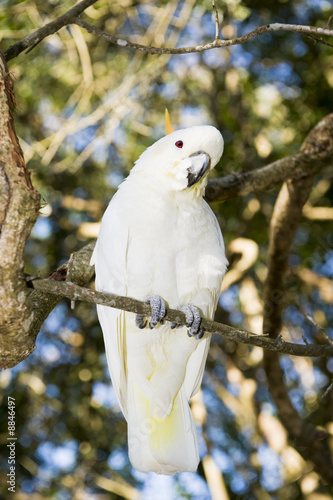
(179, 144)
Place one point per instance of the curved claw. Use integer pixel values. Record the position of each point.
(193, 320)
(158, 311)
(140, 322)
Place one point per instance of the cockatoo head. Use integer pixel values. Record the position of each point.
(181, 160)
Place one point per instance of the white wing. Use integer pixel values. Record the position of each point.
(206, 299)
(109, 258)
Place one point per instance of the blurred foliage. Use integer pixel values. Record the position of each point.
(86, 110)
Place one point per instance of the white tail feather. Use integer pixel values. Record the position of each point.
(164, 446)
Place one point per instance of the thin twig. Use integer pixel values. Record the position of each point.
(70, 18)
(217, 22)
(75, 292)
(217, 43)
(318, 40)
(30, 41)
(328, 390)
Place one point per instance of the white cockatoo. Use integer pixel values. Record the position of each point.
(160, 242)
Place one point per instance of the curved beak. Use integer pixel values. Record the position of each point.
(200, 162)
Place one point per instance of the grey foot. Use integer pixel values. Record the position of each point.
(193, 320)
(158, 311)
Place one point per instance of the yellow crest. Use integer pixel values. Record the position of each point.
(168, 127)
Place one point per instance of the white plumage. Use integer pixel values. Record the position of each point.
(158, 236)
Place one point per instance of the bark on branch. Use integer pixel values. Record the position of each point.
(19, 205)
(71, 17)
(286, 217)
(315, 154)
(309, 31)
(75, 292)
(30, 41)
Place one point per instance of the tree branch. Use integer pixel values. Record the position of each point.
(316, 153)
(30, 41)
(75, 292)
(286, 217)
(317, 147)
(217, 22)
(217, 43)
(19, 206)
(70, 17)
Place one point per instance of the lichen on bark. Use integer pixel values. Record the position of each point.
(19, 203)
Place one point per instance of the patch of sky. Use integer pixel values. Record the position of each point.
(287, 91)
(321, 5)
(114, 178)
(238, 484)
(101, 150)
(329, 365)
(202, 445)
(228, 299)
(250, 25)
(297, 399)
(104, 395)
(179, 65)
(52, 391)
(301, 13)
(144, 18)
(270, 462)
(168, 91)
(60, 352)
(72, 323)
(320, 379)
(118, 459)
(299, 48)
(216, 58)
(80, 192)
(164, 485)
(281, 73)
(248, 431)
(179, 7)
(210, 399)
(220, 372)
(119, 137)
(193, 115)
(28, 485)
(39, 262)
(50, 353)
(76, 218)
(57, 458)
(236, 317)
(223, 461)
(292, 314)
(288, 368)
(47, 411)
(42, 229)
(55, 320)
(327, 267)
(25, 440)
(216, 435)
(64, 495)
(294, 260)
(194, 485)
(80, 140)
(233, 388)
(240, 58)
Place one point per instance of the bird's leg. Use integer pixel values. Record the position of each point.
(193, 320)
(158, 311)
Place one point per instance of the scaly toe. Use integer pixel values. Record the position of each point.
(139, 321)
(158, 309)
(193, 320)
